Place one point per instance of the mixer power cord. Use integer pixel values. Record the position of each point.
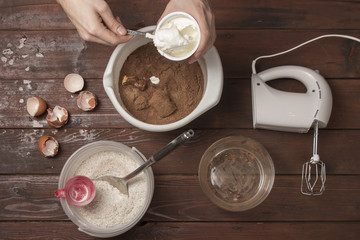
(302, 44)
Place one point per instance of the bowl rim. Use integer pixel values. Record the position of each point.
(186, 15)
(234, 143)
(211, 96)
(116, 230)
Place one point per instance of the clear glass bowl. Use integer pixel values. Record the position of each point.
(236, 173)
(73, 163)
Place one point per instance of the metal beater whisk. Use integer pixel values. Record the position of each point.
(313, 172)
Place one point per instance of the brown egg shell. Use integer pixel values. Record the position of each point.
(57, 122)
(73, 82)
(36, 106)
(46, 148)
(86, 101)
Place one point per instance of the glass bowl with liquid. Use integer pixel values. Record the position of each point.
(236, 173)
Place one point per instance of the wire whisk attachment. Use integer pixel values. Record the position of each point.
(314, 171)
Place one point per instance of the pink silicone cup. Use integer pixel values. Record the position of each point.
(78, 191)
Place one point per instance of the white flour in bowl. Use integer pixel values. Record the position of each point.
(110, 207)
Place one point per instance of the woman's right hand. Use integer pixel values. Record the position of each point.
(95, 22)
(201, 11)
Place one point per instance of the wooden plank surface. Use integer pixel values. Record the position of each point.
(233, 111)
(179, 198)
(338, 149)
(39, 46)
(54, 54)
(305, 14)
(185, 230)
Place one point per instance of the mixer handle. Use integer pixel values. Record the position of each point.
(308, 77)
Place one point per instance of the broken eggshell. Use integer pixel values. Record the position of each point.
(73, 82)
(36, 106)
(140, 83)
(57, 117)
(48, 146)
(86, 101)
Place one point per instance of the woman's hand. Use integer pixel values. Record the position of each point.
(95, 21)
(201, 11)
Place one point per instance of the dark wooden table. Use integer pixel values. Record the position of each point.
(179, 209)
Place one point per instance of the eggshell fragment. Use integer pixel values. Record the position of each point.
(48, 146)
(57, 117)
(73, 82)
(36, 106)
(86, 101)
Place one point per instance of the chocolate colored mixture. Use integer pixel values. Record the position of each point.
(178, 93)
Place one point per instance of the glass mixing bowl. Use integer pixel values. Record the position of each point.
(236, 173)
(73, 163)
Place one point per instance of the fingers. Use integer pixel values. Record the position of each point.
(91, 38)
(113, 24)
(109, 33)
(89, 17)
(109, 37)
(201, 11)
(100, 34)
(202, 49)
(208, 36)
(112, 33)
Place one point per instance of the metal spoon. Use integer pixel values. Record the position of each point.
(121, 182)
(135, 33)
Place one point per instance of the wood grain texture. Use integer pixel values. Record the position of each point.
(63, 52)
(39, 46)
(183, 230)
(308, 14)
(52, 54)
(179, 198)
(233, 111)
(338, 149)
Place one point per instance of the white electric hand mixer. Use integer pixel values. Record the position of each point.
(295, 112)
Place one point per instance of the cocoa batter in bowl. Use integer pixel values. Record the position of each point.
(161, 91)
(203, 88)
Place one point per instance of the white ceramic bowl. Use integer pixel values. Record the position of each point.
(73, 163)
(170, 17)
(213, 79)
